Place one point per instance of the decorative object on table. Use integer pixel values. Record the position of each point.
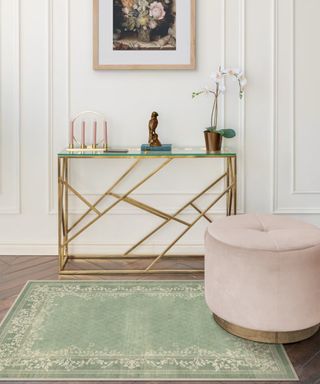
(88, 132)
(213, 136)
(154, 142)
(163, 148)
(144, 34)
(127, 330)
(153, 136)
(262, 277)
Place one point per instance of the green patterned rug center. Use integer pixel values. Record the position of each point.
(127, 331)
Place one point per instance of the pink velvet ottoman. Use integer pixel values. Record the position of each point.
(262, 277)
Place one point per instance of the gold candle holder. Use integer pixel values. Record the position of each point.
(83, 146)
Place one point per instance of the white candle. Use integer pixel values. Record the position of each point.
(83, 134)
(95, 134)
(71, 134)
(105, 133)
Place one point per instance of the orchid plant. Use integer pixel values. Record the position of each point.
(217, 90)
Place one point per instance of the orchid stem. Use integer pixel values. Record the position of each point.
(213, 110)
(214, 113)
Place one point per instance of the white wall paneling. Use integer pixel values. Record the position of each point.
(10, 107)
(297, 176)
(234, 55)
(47, 77)
(258, 107)
(296, 132)
(59, 89)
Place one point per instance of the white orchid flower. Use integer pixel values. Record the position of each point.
(214, 77)
(243, 82)
(236, 71)
(222, 88)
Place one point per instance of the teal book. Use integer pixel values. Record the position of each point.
(163, 148)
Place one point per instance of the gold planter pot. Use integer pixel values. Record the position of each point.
(213, 141)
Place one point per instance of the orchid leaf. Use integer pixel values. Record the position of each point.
(227, 133)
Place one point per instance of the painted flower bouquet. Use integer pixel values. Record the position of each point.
(219, 87)
(145, 20)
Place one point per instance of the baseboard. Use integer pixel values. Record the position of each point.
(8, 249)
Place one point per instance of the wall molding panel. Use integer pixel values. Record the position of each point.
(295, 189)
(242, 110)
(59, 89)
(233, 15)
(10, 99)
(287, 197)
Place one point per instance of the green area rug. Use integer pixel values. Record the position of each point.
(140, 330)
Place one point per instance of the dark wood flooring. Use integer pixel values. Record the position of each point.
(15, 271)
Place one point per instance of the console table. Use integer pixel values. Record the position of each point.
(69, 229)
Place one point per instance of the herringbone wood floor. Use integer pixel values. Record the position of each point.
(15, 271)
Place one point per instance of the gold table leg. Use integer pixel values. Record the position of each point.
(63, 202)
(235, 185)
(60, 216)
(66, 210)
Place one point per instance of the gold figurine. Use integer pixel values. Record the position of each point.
(153, 137)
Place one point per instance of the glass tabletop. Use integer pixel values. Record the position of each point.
(136, 152)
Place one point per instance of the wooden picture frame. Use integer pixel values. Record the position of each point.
(181, 54)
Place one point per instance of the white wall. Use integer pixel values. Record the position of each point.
(47, 77)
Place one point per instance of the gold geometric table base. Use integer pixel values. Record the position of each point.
(267, 337)
(69, 232)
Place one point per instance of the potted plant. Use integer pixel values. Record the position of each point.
(213, 136)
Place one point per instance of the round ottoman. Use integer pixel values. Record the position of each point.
(262, 277)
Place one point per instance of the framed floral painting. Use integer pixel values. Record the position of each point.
(144, 34)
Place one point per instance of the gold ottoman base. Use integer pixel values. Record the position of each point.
(264, 336)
